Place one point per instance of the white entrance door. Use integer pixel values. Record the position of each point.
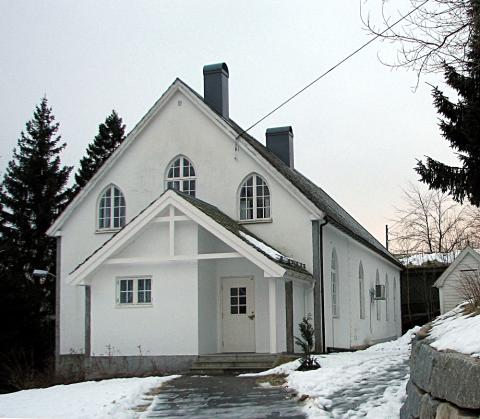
(238, 314)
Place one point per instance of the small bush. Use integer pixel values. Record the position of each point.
(469, 289)
(19, 372)
(306, 341)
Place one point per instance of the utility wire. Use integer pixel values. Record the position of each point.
(334, 67)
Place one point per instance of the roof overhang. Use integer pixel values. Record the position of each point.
(136, 226)
(447, 272)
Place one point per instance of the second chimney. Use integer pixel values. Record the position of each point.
(280, 142)
(215, 87)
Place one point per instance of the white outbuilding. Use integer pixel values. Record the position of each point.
(194, 238)
(465, 265)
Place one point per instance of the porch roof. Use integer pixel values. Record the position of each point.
(293, 268)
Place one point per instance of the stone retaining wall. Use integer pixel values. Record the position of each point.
(442, 384)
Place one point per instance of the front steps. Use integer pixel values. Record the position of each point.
(228, 364)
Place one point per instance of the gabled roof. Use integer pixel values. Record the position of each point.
(453, 266)
(238, 237)
(335, 214)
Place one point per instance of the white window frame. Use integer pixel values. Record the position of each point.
(112, 188)
(386, 298)
(185, 162)
(394, 299)
(334, 283)
(267, 208)
(377, 303)
(135, 291)
(361, 286)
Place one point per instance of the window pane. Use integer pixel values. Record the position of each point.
(242, 310)
(234, 310)
(126, 291)
(233, 291)
(182, 173)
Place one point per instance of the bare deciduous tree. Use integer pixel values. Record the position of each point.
(431, 222)
(469, 289)
(438, 32)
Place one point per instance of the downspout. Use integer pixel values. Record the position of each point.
(318, 295)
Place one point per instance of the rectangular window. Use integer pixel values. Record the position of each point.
(238, 300)
(126, 291)
(144, 291)
(131, 291)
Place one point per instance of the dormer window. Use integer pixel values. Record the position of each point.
(181, 176)
(254, 199)
(111, 209)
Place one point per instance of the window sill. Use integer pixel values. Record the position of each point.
(107, 230)
(134, 305)
(257, 221)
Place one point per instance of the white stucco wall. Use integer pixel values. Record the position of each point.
(208, 308)
(168, 327)
(348, 330)
(181, 128)
(139, 173)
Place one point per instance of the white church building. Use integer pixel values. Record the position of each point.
(195, 238)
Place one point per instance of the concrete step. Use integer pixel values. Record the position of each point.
(225, 365)
(217, 364)
(237, 358)
(229, 371)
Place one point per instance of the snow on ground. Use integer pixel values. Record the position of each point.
(92, 399)
(369, 383)
(457, 331)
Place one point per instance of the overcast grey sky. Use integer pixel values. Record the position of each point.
(357, 131)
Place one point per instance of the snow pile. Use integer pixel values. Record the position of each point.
(369, 383)
(457, 331)
(92, 399)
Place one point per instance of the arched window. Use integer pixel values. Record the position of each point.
(386, 297)
(111, 209)
(361, 289)
(334, 284)
(377, 282)
(394, 299)
(254, 199)
(181, 176)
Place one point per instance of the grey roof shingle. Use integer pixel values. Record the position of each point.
(335, 214)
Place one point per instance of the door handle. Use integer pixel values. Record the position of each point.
(252, 316)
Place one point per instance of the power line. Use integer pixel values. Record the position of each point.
(334, 67)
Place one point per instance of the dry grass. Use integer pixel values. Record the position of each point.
(469, 289)
(275, 380)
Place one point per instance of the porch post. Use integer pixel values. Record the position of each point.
(88, 332)
(272, 314)
(289, 316)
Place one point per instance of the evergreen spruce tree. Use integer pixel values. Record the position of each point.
(32, 194)
(110, 135)
(460, 126)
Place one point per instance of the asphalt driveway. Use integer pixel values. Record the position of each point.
(223, 397)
